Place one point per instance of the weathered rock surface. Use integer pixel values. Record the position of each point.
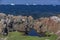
(20, 23)
(49, 24)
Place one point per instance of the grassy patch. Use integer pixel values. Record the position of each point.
(19, 36)
(1, 36)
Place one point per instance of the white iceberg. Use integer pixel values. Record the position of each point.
(12, 4)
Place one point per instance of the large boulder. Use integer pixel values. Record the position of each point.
(50, 24)
(2, 15)
(20, 22)
(2, 26)
(40, 24)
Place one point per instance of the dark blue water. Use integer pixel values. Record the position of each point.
(33, 32)
(36, 11)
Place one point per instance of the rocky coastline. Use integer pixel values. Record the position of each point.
(9, 23)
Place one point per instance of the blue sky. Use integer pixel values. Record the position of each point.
(41, 2)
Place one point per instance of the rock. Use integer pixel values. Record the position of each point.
(20, 23)
(2, 15)
(55, 18)
(58, 33)
(1, 27)
(48, 25)
(47, 39)
(58, 38)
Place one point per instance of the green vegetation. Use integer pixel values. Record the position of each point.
(19, 36)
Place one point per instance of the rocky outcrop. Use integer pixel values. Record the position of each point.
(49, 24)
(21, 23)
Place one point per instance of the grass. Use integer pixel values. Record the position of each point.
(19, 36)
(1, 36)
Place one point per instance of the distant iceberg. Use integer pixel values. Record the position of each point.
(27, 3)
(12, 4)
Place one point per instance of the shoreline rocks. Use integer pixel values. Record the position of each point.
(20, 23)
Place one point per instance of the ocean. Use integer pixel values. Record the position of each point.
(36, 11)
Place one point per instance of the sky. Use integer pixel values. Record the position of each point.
(40, 2)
